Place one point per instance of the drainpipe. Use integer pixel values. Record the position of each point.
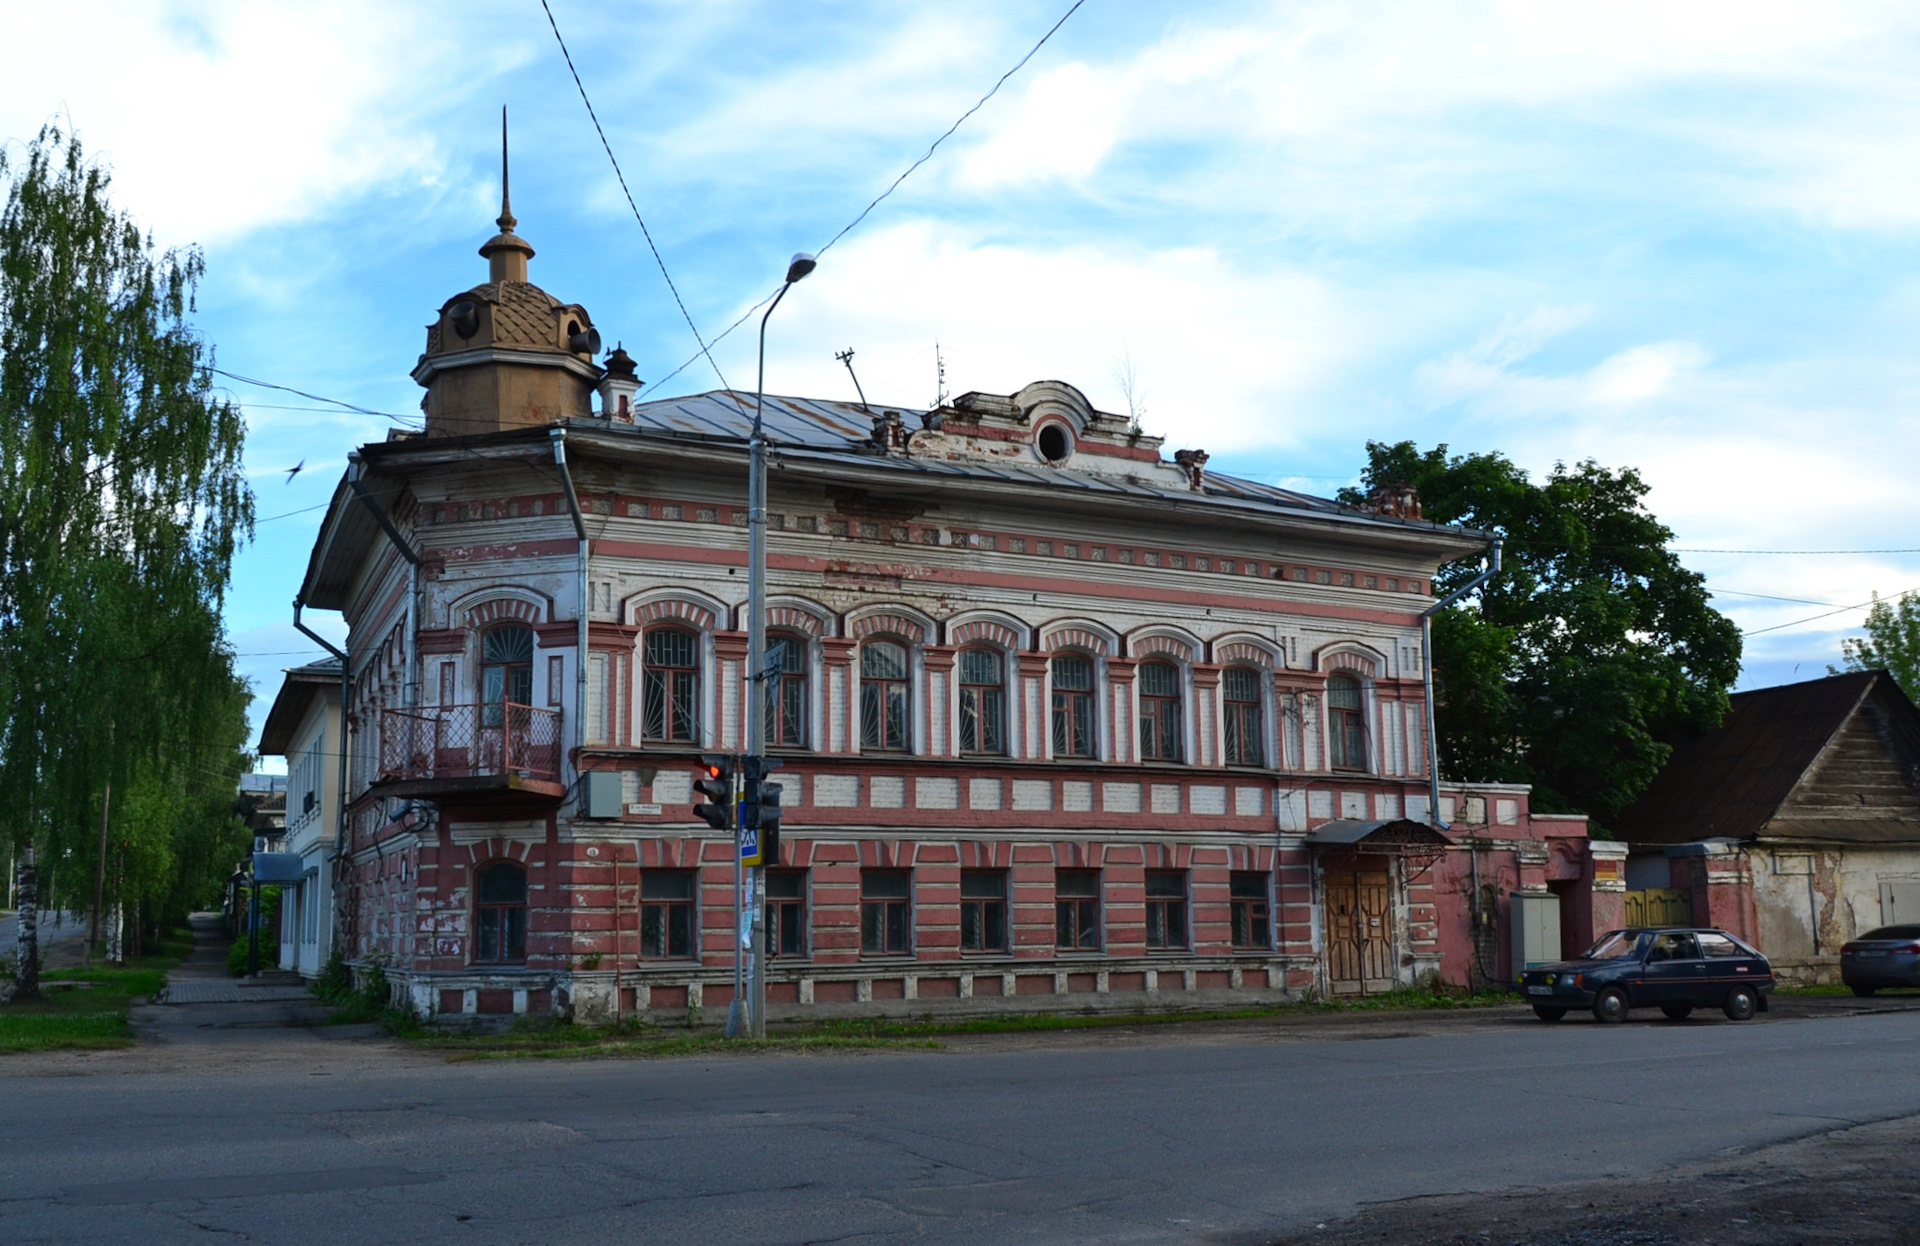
(1433, 740)
(559, 436)
(346, 691)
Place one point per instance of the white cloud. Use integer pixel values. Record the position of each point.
(222, 116)
(1226, 352)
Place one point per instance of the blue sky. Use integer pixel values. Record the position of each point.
(1681, 238)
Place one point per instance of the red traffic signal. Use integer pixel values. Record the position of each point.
(716, 784)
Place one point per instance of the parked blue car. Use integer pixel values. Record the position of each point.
(1674, 969)
(1889, 956)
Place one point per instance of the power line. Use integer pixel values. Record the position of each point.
(290, 514)
(1798, 601)
(1817, 617)
(288, 389)
(608, 147)
(877, 199)
(1686, 550)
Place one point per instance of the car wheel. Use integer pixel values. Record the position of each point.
(1741, 1004)
(1548, 1014)
(1864, 991)
(1677, 1012)
(1611, 1006)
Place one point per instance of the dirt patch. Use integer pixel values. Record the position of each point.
(1853, 1185)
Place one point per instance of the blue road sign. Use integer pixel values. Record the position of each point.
(749, 845)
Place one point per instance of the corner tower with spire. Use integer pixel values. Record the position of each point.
(507, 354)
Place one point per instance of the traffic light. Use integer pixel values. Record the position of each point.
(760, 806)
(769, 823)
(716, 784)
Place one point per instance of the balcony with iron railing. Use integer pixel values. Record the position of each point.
(497, 756)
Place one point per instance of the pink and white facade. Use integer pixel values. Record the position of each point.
(1060, 718)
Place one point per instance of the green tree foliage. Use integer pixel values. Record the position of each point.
(1595, 651)
(1892, 642)
(122, 501)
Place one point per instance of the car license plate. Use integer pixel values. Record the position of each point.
(1873, 953)
(1539, 990)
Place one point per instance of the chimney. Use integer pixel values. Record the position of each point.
(618, 387)
(1194, 464)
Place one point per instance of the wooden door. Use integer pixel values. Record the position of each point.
(1375, 920)
(1342, 904)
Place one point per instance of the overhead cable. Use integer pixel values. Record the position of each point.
(895, 185)
(1829, 614)
(288, 389)
(608, 147)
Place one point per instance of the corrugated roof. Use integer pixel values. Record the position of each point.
(1730, 782)
(842, 431)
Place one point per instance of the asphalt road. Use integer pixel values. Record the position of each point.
(1179, 1140)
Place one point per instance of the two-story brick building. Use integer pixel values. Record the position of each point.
(1059, 716)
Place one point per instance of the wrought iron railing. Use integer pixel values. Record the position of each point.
(470, 741)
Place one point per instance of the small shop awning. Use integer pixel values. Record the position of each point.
(1390, 836)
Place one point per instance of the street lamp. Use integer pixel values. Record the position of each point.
(797, 268)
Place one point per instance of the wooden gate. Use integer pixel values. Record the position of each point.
(1660, 906)
(1359, 934)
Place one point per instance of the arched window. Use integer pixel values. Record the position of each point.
(1346, 724)
(1245, 728)
(1072, 705)
(671, 684)
(787, 703)
(506, 671)
(500, 914)
(883, 695)
(983, 701)
(1159, 711)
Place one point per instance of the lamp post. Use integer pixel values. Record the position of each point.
(797, 268)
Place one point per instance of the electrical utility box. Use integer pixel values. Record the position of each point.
(603, 793)
(1535, 928)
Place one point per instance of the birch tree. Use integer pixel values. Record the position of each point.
(122, 500)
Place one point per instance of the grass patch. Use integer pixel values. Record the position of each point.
(90, 1017)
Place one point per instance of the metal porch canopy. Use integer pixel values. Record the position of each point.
(1389, 837)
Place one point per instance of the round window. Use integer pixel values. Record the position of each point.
(1054, 444)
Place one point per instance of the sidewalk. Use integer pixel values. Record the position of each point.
(202, 978)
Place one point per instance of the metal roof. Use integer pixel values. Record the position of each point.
(1345, 832)
(842, 432)
(297, 690)
(1731, 782)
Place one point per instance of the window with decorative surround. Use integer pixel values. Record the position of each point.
(506, 670)
(983, 910)
(1346, 724)
(1252, 925)
(1244, 724)
(786, 913)
(1166, 910)
(670, 685)
(883, 696)
(983, 701)
(500, 914)
(666, 914)
(1077, 910)
(1159, 711)
(1072, 705)
(886, 912)
(787, 705)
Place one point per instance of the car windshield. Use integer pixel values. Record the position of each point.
(1614, 945)
(1892, 932)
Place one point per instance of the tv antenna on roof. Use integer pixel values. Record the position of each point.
(939, 377)
(846, 357)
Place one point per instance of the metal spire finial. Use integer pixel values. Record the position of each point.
(505, 220)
